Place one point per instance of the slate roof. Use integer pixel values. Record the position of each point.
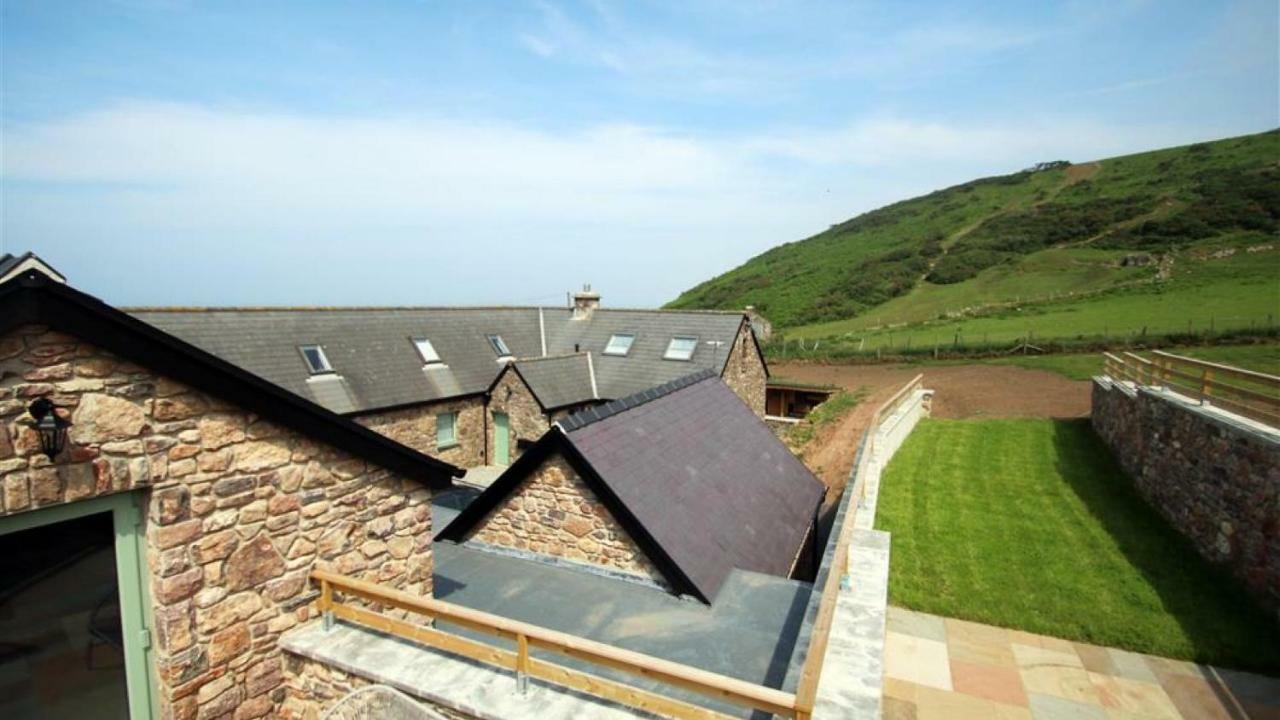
(10, 262)
(559, 381)
(699, 482)
(34, 298)
(371, 352)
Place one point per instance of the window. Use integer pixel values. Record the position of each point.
(681, 348)
(446, 430)
(499, 346)
(317, 363)
(619, 344)
(427, 351)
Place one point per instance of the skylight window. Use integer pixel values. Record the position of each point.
(619, 344)
(681, 348)
(499, 346)
(317, 363)
(427, 351)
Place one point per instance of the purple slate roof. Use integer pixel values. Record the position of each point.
(709, 481)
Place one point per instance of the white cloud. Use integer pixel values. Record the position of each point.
(538, 46)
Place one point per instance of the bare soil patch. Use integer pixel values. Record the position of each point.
(961, 391)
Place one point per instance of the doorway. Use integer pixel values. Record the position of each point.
(73, 642)
(501, 439)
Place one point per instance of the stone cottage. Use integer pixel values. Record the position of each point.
(153, 550)
(434, 378)
(673, 487)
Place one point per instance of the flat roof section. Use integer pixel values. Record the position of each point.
(748, 634)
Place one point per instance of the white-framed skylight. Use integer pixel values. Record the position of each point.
(314, 356)
(427, 351)
(681, 347)
(499, 346)
(619, 344)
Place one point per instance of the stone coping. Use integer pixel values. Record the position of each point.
(1210, 412)
(479, 690)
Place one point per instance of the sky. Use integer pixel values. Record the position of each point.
(161, 152)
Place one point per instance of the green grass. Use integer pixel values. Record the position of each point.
(1261, 358)
(1030, 524)
(1233, 293)
(827, 412)
(1031, 234)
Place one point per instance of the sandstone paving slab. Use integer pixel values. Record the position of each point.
(997, 683)
(1071, 683)
(1096, 658)
(909, 622)
(1028, 656)
(1050, 707)
(918, 660)
(1134, 696)
(935, 704)
(1131, 665)
(1194, 697)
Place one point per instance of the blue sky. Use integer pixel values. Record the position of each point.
(166, 152)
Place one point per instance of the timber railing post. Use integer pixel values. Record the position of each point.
(522, 663)
(326, 604)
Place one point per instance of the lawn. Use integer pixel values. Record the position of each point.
(1029, 524)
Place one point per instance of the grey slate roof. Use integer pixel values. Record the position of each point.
(559, 381)
(370, 348)
(710, 482)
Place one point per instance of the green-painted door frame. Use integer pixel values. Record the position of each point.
(135, 602)
(501, 439)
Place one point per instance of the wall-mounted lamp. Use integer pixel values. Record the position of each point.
(51, 426)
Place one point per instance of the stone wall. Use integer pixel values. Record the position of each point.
(554, 513)
(416, 427)
(239, 511)
(1216, 481)
(745, 372)
(511, 396)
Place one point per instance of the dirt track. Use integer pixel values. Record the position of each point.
(961, 391)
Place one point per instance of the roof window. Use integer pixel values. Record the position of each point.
(427, 351)
(681, 347)
(316, 361)
(499, 346)
(619, 344)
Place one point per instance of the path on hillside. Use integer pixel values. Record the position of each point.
(961, 391)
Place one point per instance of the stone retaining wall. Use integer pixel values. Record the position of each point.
(239, 511)
(1215, 479)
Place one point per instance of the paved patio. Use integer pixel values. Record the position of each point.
(943, 668)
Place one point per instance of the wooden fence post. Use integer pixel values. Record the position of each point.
(522, 663)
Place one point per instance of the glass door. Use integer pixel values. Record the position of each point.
(72, 641)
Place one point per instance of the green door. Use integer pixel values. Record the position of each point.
(73, 609)
(501, 439)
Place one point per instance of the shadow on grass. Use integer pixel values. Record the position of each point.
(1222, 621)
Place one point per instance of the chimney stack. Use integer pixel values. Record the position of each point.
(585, 302)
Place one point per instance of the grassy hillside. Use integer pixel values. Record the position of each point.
(1154, 240)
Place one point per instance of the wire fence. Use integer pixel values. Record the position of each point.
(1032, 338)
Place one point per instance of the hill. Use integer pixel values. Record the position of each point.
(1103, 247)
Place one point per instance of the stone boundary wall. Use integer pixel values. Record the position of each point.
(238, 513)
(1214, 477)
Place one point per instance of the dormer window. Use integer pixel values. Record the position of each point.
(681, 348)
(427, 351)
(499, 346)
(619, 344)
(316, 361)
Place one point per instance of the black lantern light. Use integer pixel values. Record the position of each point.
(51, 426)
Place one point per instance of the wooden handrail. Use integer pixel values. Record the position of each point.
(1199, 380)
(526, 636)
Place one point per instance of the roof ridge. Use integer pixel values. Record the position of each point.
(581, 419)
(561, 356)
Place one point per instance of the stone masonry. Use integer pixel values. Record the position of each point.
(511, 396)
(416, 427)
(1216, 481)
(239, 511)
(554, 513)
(313, 687)
(745, 372)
